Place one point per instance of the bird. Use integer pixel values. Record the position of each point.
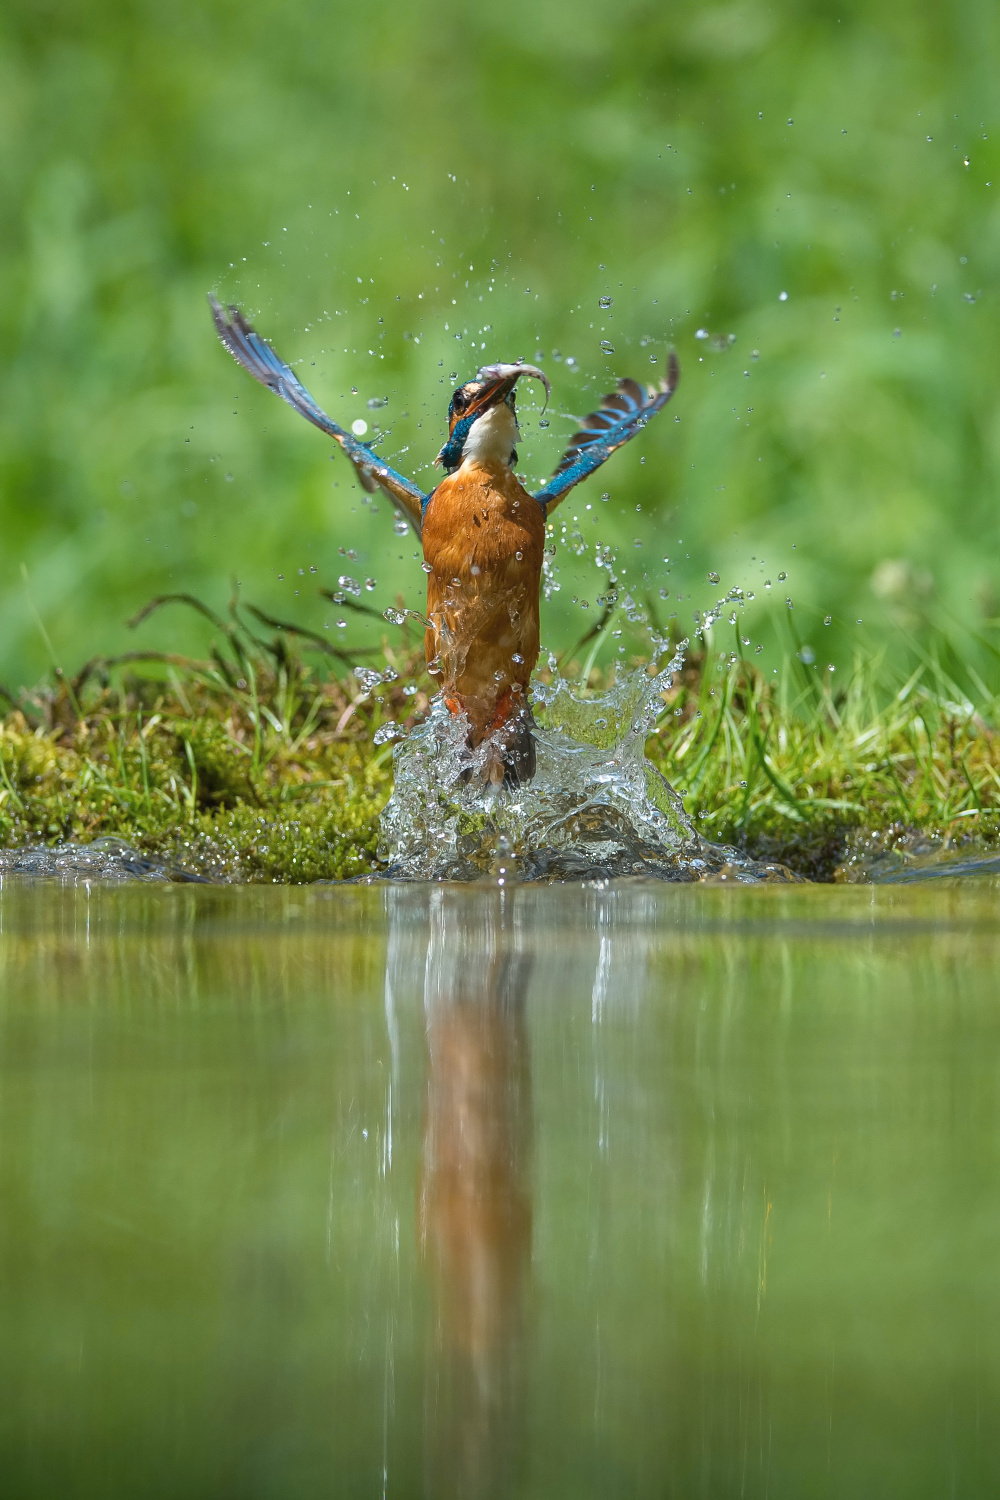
(482, 533)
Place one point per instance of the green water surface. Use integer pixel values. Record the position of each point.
(641, 1191)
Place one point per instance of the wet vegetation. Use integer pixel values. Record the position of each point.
(256, 765)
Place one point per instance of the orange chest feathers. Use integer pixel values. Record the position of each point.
(483, 527)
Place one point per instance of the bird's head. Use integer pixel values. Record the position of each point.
(482, 421)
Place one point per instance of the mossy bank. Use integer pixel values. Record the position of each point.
(269, 770)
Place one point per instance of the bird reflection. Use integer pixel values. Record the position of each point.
(474, 1206)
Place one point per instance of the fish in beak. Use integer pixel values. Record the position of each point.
(490, 385)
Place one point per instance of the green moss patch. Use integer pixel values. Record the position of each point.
(261, 768)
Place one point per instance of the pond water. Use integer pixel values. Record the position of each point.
(641, 1190)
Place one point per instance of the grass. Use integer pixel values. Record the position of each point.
(249, 765)
(254, 765)
(826, 779)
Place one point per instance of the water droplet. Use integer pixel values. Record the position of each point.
(806, 654)
(605, 301)
(713, 578)
(782, 296)
(349, 585)
(427, 567)
(516, 656)
(394, 616)
(400, 527)
(607, 347)
(701, 333)
(387, 731)
(757, 650)
(359, 427)
(767, 583)
(519, 556)
(376, 402)
(782, 577)
(828, 619)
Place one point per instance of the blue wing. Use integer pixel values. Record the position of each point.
(259, 360)
(619, 417)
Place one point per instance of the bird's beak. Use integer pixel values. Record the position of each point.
(497, 382)
(490, 386)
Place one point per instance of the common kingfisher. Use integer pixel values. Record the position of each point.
(483, 534)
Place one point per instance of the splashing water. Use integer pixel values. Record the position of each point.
(595, 809)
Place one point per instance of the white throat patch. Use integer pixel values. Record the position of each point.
(492, 437)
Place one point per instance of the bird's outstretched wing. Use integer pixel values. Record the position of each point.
(259, 359)
(619, 417)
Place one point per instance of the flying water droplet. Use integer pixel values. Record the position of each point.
(607, 347)
(713, 578)
(605, 301)
(349, 585)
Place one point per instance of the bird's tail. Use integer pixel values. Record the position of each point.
(510, 741)
(517, 745)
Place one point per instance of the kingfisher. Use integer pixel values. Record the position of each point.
(482, 532)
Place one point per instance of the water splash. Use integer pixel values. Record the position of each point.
(596, 808)
(106, 859)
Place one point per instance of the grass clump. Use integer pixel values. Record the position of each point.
(254, 766)
(829, 781)
(249, 766)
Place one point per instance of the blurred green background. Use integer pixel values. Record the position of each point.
(396, 192)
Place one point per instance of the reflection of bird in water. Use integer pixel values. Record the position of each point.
(483, 534)
(475, 1205)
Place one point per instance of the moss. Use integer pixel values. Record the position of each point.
(268, 778)
(267, 770)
